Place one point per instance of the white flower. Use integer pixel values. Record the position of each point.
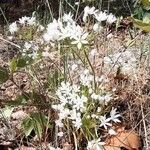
(53, 31)
(97, 27)
(99, 109)
(31, 21)
(64, 113)
(93, 53)
(60, 134)
(65, 88)
(88, 11)
(27, 45)
(105, 121)
(95, 144)
(79, 40)
(76, 3)
(13, 27)
(86, 78)
(46, 54)
(23, 20)
(114, 115)
(94, 96)
(74, 66)
(105, 98)
(68, 17)
(33, 55)
(59, 123)
(100, 16)
(94, 116)
(77, 122)
(112, 132)
(111, 18)
(109, 35)
(40, 28)
(90, 90)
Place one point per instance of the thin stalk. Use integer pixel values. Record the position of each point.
(4, 16)
(11, 43)
(68, 131)
(49, 9)
(95, 85)
(78, 55)
(77, 10)
(70, 5)
(75, 141)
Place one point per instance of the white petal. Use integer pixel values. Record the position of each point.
(112, 132)
(74, 42)
(79, 45)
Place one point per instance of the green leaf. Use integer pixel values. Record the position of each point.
(13, 65)
(88, 123)
(140, 24)
(38, 126)
(4, 75)
(146, 18)
(23, 61)
(27, 125)
(6, 112)
(20, 100)
(146, 4)
(40, 122)
(37, 122)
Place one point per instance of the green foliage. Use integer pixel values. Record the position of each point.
(19, 62)
(6, 112)
(20, 100)
(141, 24)
(13, 65)
(35, 122)
(23, 62)
(145, 4)
(141, 15)
(4, 75)
(141, 7)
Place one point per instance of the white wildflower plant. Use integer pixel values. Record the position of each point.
(95, 144)
(80, 106)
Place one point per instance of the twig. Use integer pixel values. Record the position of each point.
(10, 42)
(144, 125)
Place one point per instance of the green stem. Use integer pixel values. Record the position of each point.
(95, 85)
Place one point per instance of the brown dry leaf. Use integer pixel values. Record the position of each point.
(19, 115)
(67, 146)
(27, 148)
(125, 139)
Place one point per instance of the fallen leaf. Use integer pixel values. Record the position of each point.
(27, 148)
(19, 115)
(67, 146)
(125, 139)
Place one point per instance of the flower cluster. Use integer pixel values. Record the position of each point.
(125, 60)
(71, 104)
(95, 144)
(99, 16)
(74, 105)
(84, 102)
(13, 27)
(30, 49)
(64, 28)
